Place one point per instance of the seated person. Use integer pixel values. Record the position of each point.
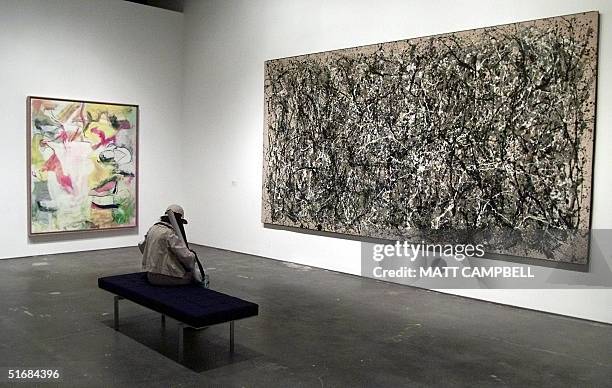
(165, 256)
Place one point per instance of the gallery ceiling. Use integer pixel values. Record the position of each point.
(172, 5)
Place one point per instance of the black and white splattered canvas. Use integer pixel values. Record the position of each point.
(485, 135)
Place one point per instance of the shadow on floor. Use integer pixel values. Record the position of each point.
(205, 349)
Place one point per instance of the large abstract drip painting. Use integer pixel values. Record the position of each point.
(82, 165)
(483, 135)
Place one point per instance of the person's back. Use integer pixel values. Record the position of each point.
(166, 258)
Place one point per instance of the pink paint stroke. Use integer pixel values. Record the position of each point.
(54, 164)
(103, 139)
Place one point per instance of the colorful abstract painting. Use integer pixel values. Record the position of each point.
(484, 135)
(83, 165)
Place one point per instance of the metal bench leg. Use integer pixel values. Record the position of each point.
(232, 337)
(181, 332)
(116, 312)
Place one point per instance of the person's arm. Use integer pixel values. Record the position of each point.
(142, 244)
(180, 250)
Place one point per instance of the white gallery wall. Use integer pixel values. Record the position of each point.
(108, 50)
(198, 79)
(226, 44)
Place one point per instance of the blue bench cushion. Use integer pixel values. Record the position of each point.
(192, 304)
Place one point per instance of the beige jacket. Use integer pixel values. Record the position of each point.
(165, 253)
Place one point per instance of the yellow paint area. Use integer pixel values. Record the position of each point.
(103, 218)
(67, 112)
(103, 125)
(101, 172)
(38, 160)
(97, 110)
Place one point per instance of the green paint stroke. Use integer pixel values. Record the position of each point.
(124, 214)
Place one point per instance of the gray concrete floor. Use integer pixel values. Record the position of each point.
(316, 328)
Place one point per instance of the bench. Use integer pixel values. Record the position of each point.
(191, 306)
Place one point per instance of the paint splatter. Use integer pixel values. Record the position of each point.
(483, 135)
